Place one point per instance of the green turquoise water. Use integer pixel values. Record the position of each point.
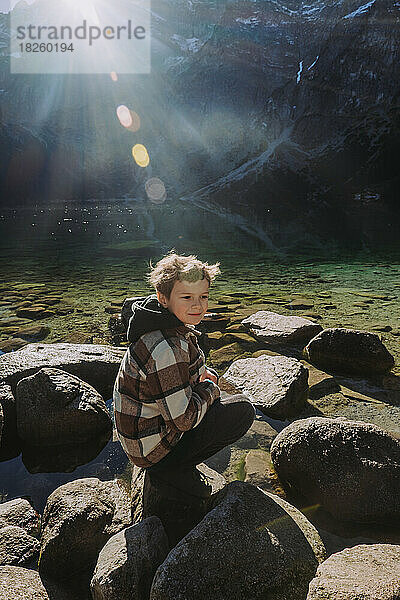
(92, 255)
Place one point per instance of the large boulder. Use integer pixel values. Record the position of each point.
(349, 351)
(127, 563)
(252, 544)
(79, 518)
(280, 329)
(351, 468)
(17, 547)
(56, 408)
(276, 385)
(17, 583)
(370, 572)
(20, 513)
(95, 364)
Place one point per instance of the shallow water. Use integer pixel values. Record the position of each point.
(92, 254)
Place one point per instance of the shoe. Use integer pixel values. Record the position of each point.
(189, 481)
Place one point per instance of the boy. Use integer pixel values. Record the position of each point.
(168, 411)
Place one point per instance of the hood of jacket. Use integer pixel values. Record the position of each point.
(149, 315)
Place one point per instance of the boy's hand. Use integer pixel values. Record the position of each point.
(208, 375)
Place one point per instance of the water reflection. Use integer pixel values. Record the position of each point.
(16, 480)
(65, 458)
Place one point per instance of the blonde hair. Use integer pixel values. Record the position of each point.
(174, 267)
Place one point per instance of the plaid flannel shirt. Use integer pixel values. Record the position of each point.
(157, 393)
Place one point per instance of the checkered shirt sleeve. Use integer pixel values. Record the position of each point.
(181, 405)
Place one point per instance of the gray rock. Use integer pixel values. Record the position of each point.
(95, 364)
(351, 468)
(137, 484)
(12, 344)
(179, 500)
(20, 513)
(370, 572)
(259, 471)
(260, 435)
(127, 563)
(17, 547)
(252, 544)
(56, 408)
(276, 385)
(280, 329)
(17, 583)
(349, 351)
(35, 333)
(79, 518)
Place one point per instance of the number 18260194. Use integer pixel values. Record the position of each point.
(46, 47)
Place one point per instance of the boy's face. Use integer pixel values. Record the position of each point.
(188, 300)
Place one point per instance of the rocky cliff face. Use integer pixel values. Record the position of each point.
(285, 114)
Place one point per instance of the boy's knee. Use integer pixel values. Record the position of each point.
(245, 412)
(249, 412)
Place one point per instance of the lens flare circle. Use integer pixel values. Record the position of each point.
(141, 156)
(124, 116)
(155, 190)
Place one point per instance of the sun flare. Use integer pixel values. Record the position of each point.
(87, 8)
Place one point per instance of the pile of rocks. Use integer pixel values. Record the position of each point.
(158, 541)
(88, 536)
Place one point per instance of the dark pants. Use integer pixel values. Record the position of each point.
(226, 421)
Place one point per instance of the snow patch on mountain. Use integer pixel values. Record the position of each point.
(188, 45)
(249, 21)
(299, 72)
(360, 10)
(312, 64)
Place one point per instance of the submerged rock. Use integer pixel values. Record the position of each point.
(351, 468)
(35, 333)
(300, 304)
(34, 312)
(280, 329)
(276, 385)
(370, 572)
(127, 563)
(55, 408)
(213, 321)
(349, 351)
(222, 357)
(12, 344)
(250, 545)
(95, 364)
(79, 518)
